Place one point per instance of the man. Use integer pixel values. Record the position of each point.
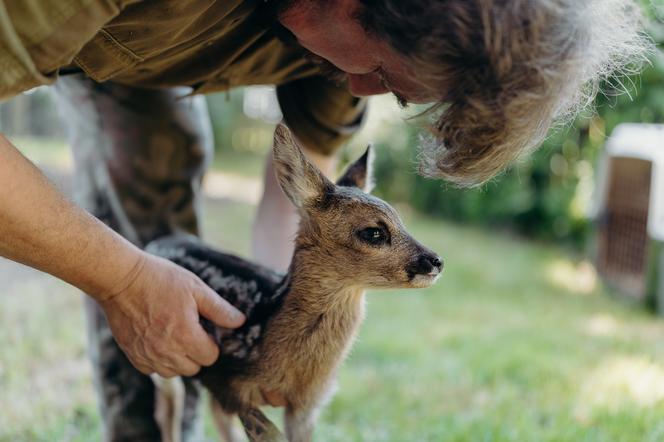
(497, 72)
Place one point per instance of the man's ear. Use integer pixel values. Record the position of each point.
(360, 173)
(300, 180)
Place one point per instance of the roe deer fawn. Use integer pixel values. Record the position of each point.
(300, 326)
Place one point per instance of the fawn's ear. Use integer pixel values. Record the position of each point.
(300, 180)
(360, 173)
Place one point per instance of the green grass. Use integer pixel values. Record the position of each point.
(516, 342)
(49, 151)
(240, 163)
(513, 343)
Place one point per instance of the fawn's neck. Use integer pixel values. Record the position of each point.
(322, 310)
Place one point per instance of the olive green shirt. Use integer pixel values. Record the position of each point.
(210, 45)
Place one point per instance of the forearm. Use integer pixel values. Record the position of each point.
(151, 305)
(39, 227)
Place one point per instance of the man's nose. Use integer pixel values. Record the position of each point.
(366, 84)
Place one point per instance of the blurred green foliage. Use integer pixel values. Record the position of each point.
(234, 131)
(545, 196)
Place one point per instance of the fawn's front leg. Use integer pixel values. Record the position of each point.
(225, 423)
(259, 428)
(300, 423)
(170, 399)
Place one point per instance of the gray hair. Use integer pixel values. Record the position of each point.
(505, 70)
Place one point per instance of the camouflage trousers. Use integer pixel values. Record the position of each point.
(139, 159)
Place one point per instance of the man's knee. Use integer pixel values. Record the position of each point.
(140, 154)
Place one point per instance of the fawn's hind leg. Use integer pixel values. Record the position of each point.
(225, 423)
(259, 428)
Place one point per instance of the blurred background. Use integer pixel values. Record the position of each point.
(545, 325)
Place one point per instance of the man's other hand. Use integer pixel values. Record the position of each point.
(154, 317)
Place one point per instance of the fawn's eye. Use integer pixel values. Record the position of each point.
(375, 236)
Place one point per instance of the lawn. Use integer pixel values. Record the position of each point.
(516, 342)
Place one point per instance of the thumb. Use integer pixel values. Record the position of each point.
(217, 309)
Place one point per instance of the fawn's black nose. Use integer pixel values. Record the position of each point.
(425, 265)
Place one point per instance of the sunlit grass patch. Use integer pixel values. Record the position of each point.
(632, 381)
(53, 152)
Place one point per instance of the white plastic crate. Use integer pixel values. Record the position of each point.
(629, 209)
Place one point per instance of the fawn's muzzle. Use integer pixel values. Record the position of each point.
(426, 264)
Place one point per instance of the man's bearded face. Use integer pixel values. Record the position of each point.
(346, 53)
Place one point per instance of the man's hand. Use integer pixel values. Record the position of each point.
(154, 309)
(154, 316)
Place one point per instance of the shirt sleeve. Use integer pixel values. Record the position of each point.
(37, 37)
(322, 115)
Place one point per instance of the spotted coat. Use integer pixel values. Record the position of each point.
(256, 291)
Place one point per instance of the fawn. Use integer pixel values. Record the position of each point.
(300, 326)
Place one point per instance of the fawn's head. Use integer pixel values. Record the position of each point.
(348, 234)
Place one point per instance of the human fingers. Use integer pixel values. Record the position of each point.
(201, 348)
(142, 367)
(184, 366)
(216, 309)
(165, 372)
